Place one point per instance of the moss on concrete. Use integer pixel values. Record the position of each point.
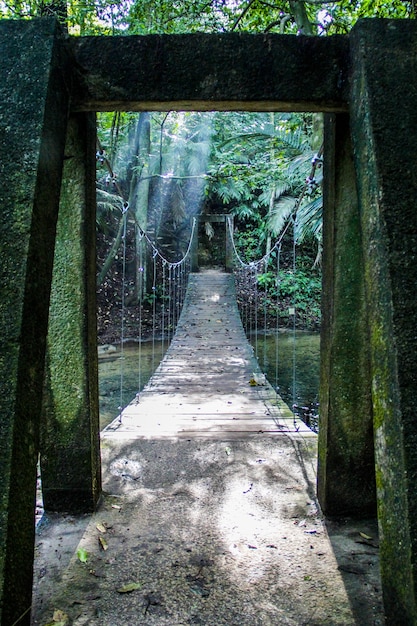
(346, 481)
(384, 114)
(33, 111)
(70, 439)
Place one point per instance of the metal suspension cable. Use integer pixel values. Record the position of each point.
(140, 303)
(262, 259)
(265, 320)
(254, 265)
(163, 309)
(153, 309)
(277, 322)
(101, 157)
(294, 343)
(255, 281)
(121, 406)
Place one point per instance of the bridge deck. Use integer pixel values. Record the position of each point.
(209, 502)
(202, 387)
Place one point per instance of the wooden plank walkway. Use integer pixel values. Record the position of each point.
(202, 387)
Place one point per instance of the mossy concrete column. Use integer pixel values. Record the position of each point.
(34, 98)
(384, 132)
(346, 473)
(70, 451)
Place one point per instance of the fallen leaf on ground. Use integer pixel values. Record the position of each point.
(59, 619)
(101, 527)
(365, 536)
(82, 555)
(129, 587)
(103, 543)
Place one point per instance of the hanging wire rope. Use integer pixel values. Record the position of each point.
(255, 323)
(251, 270)
(163, 308)
(177, 280)
(294, 310)
(265, 300)
(122, 338)
(278, 281)
(153, 309)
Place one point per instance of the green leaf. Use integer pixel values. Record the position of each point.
(82, 555)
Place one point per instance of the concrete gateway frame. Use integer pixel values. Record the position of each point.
(365, 83)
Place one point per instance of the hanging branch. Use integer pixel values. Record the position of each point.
(242, 15)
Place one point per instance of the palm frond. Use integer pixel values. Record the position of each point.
(280, 213)
(309, 219)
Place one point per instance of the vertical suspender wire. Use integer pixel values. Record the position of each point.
(122, 332)
(246, 298)
(140, 305)
(255, 275)
(278, 279)
(169, 322)
(178, 292)
(173, 296)
(179, 303)
(294, 347)
(264, 311)
(250, 301)
(154, 255)
(163, 309)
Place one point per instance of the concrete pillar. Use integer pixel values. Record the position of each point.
(346, 474)
(70, 449)
(384, 131)
(34, 98)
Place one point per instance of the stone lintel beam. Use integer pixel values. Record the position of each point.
(231, 71)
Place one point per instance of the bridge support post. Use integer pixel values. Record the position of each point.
(384, 132)
(34, 100)
(70, 448)
(346, 475)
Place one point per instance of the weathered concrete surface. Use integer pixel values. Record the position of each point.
(210, 503)
(34, 102)
(70, 448)
(346, 469)
(231, 71)
(384, 122)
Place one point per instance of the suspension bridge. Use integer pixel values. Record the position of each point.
(209, 514)
(209, 383)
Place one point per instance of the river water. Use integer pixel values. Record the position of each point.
(290, 363)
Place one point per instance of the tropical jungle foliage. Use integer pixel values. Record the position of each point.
(168, 167)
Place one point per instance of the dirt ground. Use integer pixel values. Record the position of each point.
(220, 532)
